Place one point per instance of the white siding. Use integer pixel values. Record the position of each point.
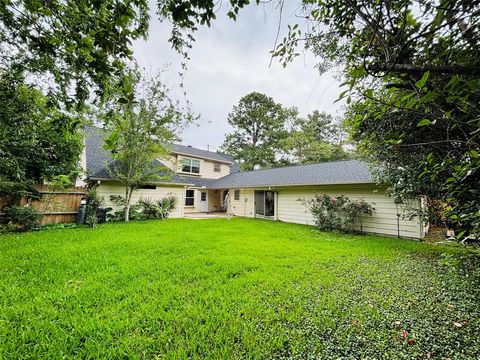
(107, 188)
(383, 221)
(206, 167)
(214, 200)
(245, 205)
(289, 208)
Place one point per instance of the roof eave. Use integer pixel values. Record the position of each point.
(296, 185)
(155, 183)
(202, 157)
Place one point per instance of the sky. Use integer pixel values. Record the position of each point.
(231, 59)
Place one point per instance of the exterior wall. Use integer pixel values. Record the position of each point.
(214, 200)
(383, 221)
(107, 188)
(82, 164)
(196, 203)
(206, 166)
(243, 207)
(288, 208)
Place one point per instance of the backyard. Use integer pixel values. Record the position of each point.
(239, 288)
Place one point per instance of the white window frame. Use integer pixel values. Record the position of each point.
(217, 167)
(190, 166)
(236, 195)
(190, 197)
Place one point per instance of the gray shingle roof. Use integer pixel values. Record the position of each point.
(336, 172)
(187, 150)
(198, 181)
(97, 157)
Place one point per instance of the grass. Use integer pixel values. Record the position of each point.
(243, 288)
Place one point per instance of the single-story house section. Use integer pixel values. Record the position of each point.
(202, 181)
(278, 193)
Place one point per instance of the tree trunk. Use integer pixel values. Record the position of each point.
(128, 193)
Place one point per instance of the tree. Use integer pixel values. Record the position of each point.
(78, 44)
(38, 143)
(259, 126)
(143, 120)
(314, 139)
(412, 74)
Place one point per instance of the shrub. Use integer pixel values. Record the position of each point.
(158, 210)
(167, 205)
(337, 213)
(22, 218)
(119, 215)
(94, 202)
(150, 209)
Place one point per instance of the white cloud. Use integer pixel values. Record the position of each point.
(231, 59)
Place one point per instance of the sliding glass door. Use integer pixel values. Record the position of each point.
(264, 203)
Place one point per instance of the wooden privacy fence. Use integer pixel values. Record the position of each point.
(58, 205)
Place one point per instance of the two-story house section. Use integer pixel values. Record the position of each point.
(201, 168)
(192, 170)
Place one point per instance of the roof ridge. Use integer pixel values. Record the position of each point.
(300, 165)
(170, 144)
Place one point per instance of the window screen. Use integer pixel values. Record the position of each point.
(191, 166)
(190, 198)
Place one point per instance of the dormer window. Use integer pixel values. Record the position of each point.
(191, 166)
(216, 167)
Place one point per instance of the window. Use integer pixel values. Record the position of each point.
(216, 167)
(191, 166)
(203, 196)
(148, 187)
(190, 198)
(236, 195)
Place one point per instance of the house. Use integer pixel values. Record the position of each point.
(202, 179)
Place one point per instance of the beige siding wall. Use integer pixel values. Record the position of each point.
(383, 221)
(206, 167)
(214, 200)
(245, 205)
(107, 188)
(288, 208)
(196, 203)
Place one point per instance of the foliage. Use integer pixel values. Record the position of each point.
(297, 293)
(259, 127)
(21, 218)
(314, 139)
(94, 202)
(159, 209)
(78, 45)
(142, 120)
(119, 215)
(38, 143)
(411, 69)
(338, 213)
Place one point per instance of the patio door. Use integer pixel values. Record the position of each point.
(203, 201)
(264, 203)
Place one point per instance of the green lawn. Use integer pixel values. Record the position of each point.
(219, 289)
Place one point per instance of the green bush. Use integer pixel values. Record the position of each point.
(119, 215)
(94, 202)
(144, 209)
(21, 218)
(158, 210)
(167, 205)
(337, 213)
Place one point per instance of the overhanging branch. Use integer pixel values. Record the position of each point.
(459, 69)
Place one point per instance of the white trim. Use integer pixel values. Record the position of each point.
(202, 157)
